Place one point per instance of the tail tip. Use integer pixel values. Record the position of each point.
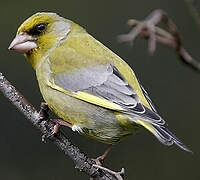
(182, 146)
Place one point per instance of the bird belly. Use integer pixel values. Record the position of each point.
(95, 122)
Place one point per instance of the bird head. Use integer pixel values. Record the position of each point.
(40, 34)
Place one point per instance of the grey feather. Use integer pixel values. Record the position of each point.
(107, 82)
(83, 78)
(166, 137)
(148, 98)
(112, 94)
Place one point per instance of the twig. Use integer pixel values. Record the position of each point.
(82, 162)
(148, 30)
(118, 175)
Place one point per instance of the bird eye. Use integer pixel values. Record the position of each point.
(38, 29)
(41, 27)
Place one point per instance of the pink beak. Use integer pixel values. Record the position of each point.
(23, 43)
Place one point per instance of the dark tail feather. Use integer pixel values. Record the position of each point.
(166, 137)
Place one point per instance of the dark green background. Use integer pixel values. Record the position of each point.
(174, 88)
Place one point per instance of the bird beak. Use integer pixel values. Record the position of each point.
(23, 43)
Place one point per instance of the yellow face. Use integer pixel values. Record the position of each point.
(38, 34)
(30, 26)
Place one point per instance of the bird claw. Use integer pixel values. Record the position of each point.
(98, 161)
(119, 175)
(98, 164)
(44, 109)
(52, 134)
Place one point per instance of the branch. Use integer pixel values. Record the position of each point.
(82, 162)
(148, 30)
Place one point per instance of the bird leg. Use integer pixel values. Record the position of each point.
(99, 160)
(58, 122)
(56, 128)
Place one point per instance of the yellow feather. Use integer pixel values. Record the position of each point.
(89, 98)
(147, 125)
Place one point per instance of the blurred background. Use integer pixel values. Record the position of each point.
(173, 87)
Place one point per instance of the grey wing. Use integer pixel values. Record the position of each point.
(107, 82)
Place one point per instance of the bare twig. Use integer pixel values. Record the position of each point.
(148, 30)
(82, 162)
(118, 175)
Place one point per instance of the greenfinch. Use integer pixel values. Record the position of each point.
(85, 84)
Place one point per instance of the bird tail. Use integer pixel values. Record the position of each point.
(164, 135)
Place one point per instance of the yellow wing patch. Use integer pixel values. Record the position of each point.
(89, 98)
(147, 125)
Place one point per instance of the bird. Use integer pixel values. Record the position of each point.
(90, 88)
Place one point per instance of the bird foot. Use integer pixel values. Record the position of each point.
(99, 160)
(54, 131)
(119, 175)
(44, 109)
(56, 128)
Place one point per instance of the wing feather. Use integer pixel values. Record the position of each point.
(106, 82)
